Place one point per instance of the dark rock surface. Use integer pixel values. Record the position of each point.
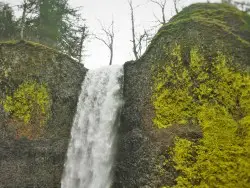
(39, 163)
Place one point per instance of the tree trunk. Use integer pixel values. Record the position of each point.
(83, 36)
(111, 52)
(23, 19)
(175, 6)
(133, 31)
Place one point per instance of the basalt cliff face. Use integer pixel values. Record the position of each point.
(39, 90)
(185, 120)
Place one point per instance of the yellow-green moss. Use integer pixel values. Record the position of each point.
(222, 156)
(171, 93)
(215, 96)
(30, 106)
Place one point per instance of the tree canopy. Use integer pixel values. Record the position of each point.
(51, 22)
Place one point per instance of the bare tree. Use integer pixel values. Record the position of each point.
(83, 31)
(109, 39)
(244, 5)
(133, 29)
(142, 41)
(162, 5)
(175, 6)
(138, 42)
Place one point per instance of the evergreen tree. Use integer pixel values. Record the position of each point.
(8, 25)
(56, 24)
(51, 22)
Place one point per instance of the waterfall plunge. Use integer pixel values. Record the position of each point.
(90, 152)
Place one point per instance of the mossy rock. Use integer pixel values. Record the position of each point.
(27, 62)
(213, 95)
(150, 121)
(39, 90)
(213, 27)
(30, 108)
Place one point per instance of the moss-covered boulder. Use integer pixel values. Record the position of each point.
(39, 89)
(185, 120)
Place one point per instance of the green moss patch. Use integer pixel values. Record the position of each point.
(213, 94)
(29, 107)
(225, 15)
(212, 26)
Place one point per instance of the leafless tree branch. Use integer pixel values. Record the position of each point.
(138, 42)
(175, 6)
(133, 29)
(109, 41)
(162, 5)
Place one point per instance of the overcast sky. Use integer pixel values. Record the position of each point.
(97, 54)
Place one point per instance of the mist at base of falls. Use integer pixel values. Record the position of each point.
(91, 148)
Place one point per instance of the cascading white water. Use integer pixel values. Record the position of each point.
(90, 152)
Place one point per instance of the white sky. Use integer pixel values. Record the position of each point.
(97, 54)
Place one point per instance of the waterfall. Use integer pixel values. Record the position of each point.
(91, 148)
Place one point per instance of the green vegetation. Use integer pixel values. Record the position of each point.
(51, 22)
(30, 108)
(213, 26)
(213, 94)
(170, 103)
(226, 17)
(9, 28)
(31, 43)
(34, 45)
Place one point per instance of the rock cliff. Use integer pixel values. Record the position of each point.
(39, 89)
(186, 99)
